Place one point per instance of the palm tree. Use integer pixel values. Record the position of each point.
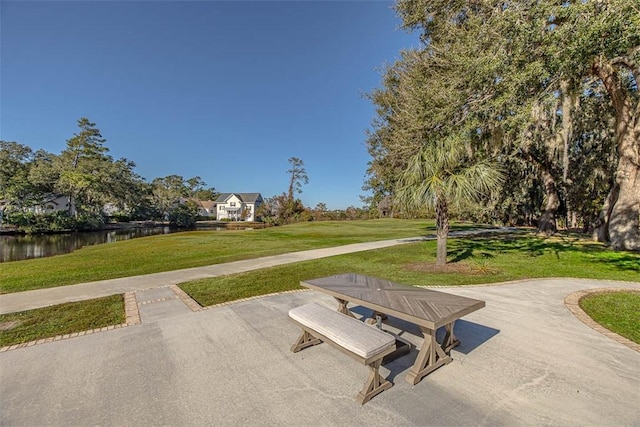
(443, 175)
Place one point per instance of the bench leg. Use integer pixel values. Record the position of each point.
(304, 340)
(430, 357)
(375, 383)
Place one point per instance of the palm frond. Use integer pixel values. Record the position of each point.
(443, 169)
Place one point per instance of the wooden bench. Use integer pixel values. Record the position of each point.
(365, 343)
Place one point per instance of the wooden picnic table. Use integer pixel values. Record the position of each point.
(426, 308)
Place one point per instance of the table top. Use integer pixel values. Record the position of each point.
(424, 307)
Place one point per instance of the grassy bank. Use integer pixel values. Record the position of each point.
(194, 249)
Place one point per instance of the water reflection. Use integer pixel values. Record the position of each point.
(19, 247)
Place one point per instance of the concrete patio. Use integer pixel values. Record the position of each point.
(525, 359)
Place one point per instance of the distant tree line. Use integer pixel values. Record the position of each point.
(522, 113)
(99, 189)
(91, 180)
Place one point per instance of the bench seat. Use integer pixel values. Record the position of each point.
(363, 342)
(347, 332)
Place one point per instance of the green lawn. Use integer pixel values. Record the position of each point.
(25, 326)
(194, 249)
(474, 260)
(617, 311)
(471, 261)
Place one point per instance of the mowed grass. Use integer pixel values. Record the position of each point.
(476, 260)
(25, 326)
(617, 311)
(194, 249)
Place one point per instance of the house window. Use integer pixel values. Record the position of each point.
(221, 208)
(232, 204)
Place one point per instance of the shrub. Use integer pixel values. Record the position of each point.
(120, 217)
(31, 222)
(184, 215)
(87, 222)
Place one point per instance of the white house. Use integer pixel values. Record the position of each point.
(53, 203)
(238, 206)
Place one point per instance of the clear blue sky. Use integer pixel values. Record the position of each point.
(224, 90)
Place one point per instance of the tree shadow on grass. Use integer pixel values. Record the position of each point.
(622, 262)
(486, 247)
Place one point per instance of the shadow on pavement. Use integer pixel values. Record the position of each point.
(471, 335)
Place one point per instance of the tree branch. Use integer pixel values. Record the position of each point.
(629, 63)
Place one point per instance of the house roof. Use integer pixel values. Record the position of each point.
(206, 204)
(244, 197)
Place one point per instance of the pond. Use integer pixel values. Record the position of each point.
(20, 247)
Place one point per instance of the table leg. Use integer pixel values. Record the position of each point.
(430, 357)
(450, 339)
(342, 307)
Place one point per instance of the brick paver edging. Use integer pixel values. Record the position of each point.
(185, 298)
(132, 316)
(572, 302)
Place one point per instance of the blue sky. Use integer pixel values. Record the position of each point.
(227, 91)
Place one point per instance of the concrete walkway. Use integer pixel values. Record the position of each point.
(525, 359)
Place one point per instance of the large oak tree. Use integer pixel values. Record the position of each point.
(511, 75)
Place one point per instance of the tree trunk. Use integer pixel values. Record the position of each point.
(624, 231)
(572, 219)
(623, 225)
(553, 141)
(547, 222)
(442, 229)
(441, 258)
(568, 102)
(569, 105)
(601, 228)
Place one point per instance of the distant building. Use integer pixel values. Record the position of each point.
(238, 206)
(53, 203)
